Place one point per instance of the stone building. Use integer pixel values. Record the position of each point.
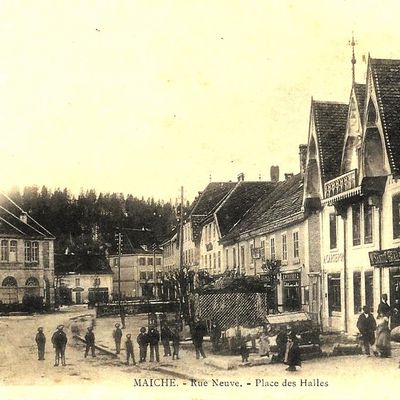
(26, 256)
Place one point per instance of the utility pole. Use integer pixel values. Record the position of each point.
(118, 237)
(181, 233)
(154, 270)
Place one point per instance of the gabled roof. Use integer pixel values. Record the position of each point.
(211, 197)
(386, 78)
(360, 90)
(207, 203)
(92, 264)
(12, 224)
(239, 201)
(330, 124)
(277, 209)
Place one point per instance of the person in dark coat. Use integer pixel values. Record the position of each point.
(215, 336)
(175, 343)
(90, 342)
(129, 349)
(154, 338)
(281, 342)
(384, 308)
(165, 338)
(197, 338)
(41, 343)
(117, 335)
(293, 357)
(143, 342)
(244, 351)
(395, 319)
(59, 340)
(366, 325)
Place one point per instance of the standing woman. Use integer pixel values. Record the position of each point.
(383, 335)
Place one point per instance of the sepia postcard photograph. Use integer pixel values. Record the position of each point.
(199, 199)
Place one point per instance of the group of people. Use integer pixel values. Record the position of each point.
(149, 337)
(59, 341)
(377, 332)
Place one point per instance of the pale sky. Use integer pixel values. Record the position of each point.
(144, 96)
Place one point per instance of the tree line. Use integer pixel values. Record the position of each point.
(88, 222)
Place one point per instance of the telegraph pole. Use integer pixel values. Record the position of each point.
(181, 233)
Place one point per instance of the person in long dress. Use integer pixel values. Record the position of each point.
(263, 343)
(383, 335)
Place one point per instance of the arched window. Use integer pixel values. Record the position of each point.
(374, 160)
(32, 282)
(9, 281)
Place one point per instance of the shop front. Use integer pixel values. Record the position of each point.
(291, 283)
(388, 259)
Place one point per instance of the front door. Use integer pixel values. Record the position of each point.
(78, 297)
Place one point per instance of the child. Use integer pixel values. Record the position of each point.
(244, 351)
(143, 341)
(129, 349)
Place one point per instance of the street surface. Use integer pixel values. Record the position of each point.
(19, 366)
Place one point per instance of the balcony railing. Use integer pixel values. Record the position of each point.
(341, 184)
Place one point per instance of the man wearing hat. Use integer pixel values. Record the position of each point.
(143, 341)
(129, 349)
(59, 340)
(117, 335)
(90, 342)
(366, 325)
(41, 342)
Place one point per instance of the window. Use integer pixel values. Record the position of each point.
(226, 258)
(356, 216)
(142, 275)
(272, 249)
(205, 261)
(158, 261)
(242, 256)
(142, 261)
(77, 282)
(284, 247)
(35, 252)
(14, 249)
(357, 292)
(251, 253)
(149, 260)
(219, 261)
(368, 223)
(28, 251)
(4, 250)
(334, 297)
(396, 216)
(332, 231)
(96, 282)
(369, 289)
(262, 254)
(214, 260)
(150, 275)
(296, 244)
(213, 230)
(234, 257)
(209, 260)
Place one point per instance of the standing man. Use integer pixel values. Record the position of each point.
(165, 338)
(41, 343)
(154, 338)
(129, 349)
(59, 340)
(197, 338)
(90, 342)
(117, 335)
(366, 325)
(215, 336)
(384, 308)
(143, 342)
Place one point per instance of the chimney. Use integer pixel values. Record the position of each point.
(274, 173)
(240, 177)
(24, 217)
(303, 158)
(288, 176)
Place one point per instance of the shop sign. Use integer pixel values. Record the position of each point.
(333, 258)
(293, 276)
(385, 258)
